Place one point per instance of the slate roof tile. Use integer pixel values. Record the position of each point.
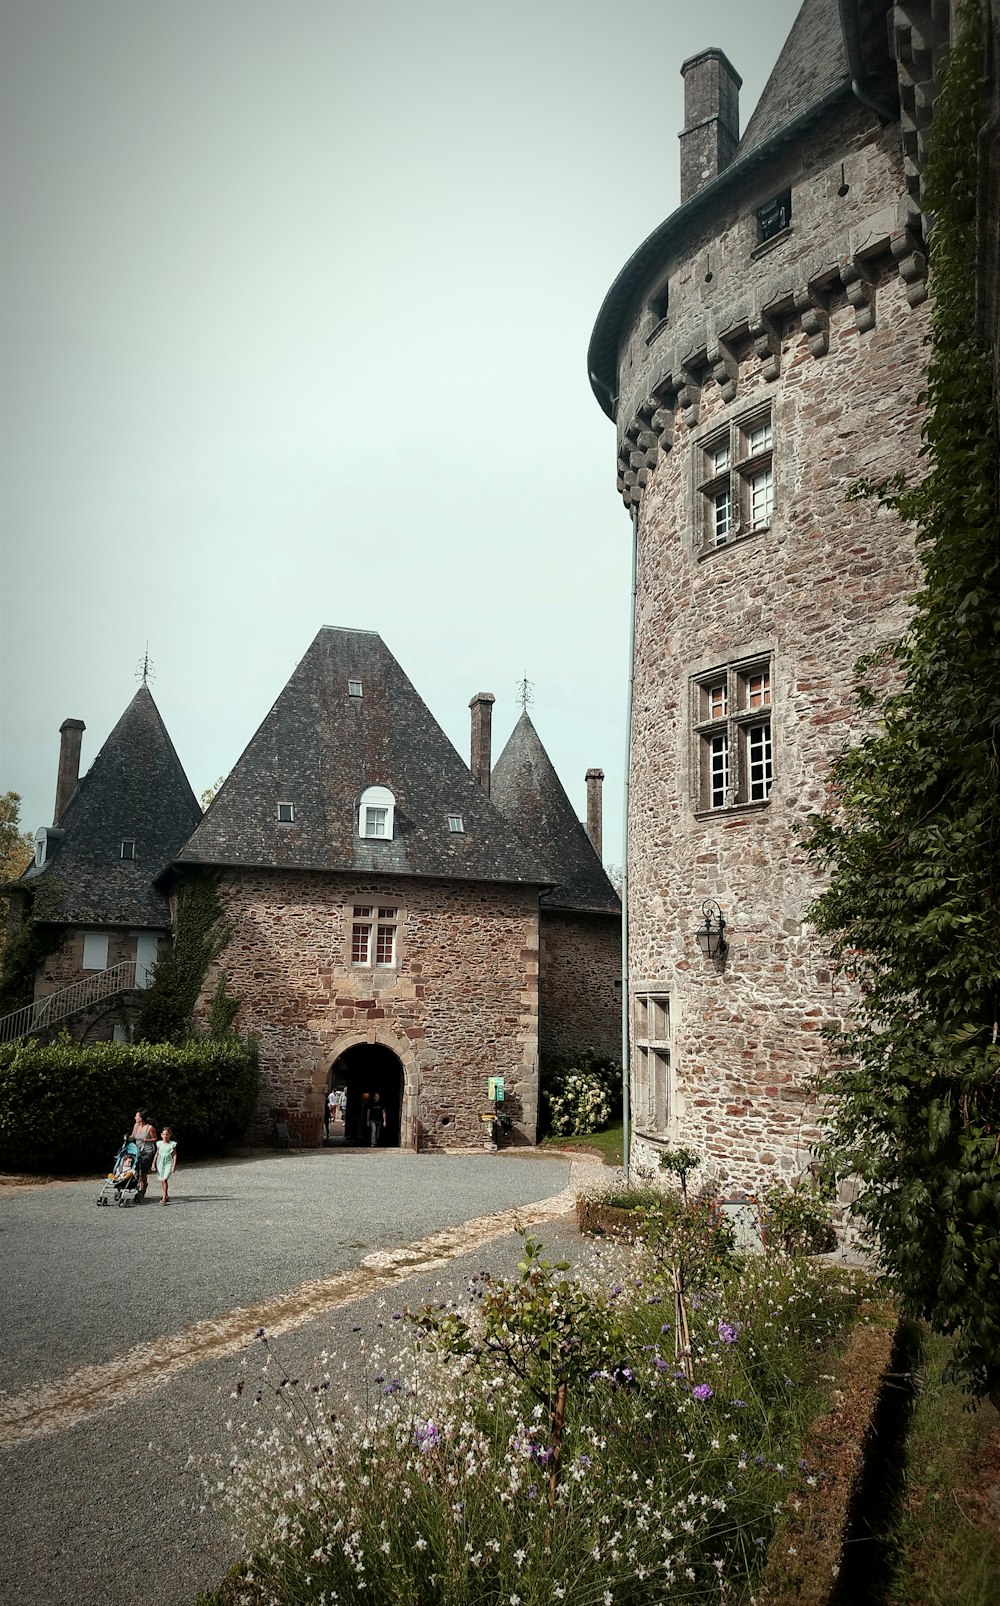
(525, 786)
(135, 790)
(319, 748)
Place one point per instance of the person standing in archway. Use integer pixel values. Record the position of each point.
(376, 1119)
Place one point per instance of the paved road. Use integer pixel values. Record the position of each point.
(92, 1296)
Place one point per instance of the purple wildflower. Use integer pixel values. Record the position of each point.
(728, 1333)
(702, 1391)
(427, 1436)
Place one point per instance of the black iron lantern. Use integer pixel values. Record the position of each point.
(712, 935)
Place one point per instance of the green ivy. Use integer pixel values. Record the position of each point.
(24, 950)
(200, 934)
(911, 843)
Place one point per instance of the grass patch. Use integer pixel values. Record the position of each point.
(608, 1143)
(947, 1544)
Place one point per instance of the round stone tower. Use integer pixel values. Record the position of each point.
(759, 353)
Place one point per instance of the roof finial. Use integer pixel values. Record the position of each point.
(145, 671)
(525, 692)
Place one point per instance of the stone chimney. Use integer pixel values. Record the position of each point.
(595, 782)
(482, 724)
(70, 741)
(711, 130)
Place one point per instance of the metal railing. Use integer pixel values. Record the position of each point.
(46, 1012)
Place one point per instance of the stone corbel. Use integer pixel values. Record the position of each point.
(912, 265)
(766, 337)
(725, 369)
(810, 304)
(689, 397)
(662, 425)
(860, 286)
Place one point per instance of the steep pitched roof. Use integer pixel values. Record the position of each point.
(134, 790)
(319, 748)
(527, 789)
(812, 60)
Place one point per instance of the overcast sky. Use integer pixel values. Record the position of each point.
(296, 299)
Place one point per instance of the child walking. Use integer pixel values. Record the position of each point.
(166, 1161)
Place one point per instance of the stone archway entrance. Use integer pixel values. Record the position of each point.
(370, 1068)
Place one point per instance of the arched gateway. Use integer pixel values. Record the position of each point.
(364, 1070)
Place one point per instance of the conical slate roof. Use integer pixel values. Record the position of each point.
(134, 791)
(812, 61)
(527, 789)
(320, 747)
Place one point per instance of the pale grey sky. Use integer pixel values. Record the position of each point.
(296, 298)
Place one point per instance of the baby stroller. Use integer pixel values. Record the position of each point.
(123, 1178)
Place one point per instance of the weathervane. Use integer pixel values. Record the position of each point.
(525, 692)
(145, 671)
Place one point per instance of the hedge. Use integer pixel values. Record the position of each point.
(65, 1107)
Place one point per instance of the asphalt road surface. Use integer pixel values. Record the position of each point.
(123, 1331)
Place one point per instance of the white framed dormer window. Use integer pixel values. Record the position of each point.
(41, 846)
(456, 823)
(127, 849)
(375, 813)
(374, 929)
(652, 1102)
(286, 813)
(95, 950)
(734, 471)
(354, 688)
(731, 717)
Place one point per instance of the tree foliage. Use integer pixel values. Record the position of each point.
(911, 843)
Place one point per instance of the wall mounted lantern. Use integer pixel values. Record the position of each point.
(712, 935)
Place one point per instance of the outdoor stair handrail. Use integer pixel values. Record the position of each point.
(45, 1012)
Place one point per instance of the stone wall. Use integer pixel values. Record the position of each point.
(460, 1005)
(833, 356)
(65, 966)
(580, 967)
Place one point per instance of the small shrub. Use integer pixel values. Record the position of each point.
(797, 1217)
(577, 1090)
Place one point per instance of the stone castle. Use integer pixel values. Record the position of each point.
(759, 353)
(399, 921)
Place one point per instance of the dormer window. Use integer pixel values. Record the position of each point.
(286, 813)
(354, 688)
(376, 808)
(40, 846)
(127, 850)
(774, 217)
(456, 823)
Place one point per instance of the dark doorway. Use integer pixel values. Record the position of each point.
(367, 1069)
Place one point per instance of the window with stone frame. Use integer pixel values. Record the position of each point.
(651, 1091)
(731, 718)
(734, 468)
(374, 932)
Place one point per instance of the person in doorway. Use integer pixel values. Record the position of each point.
(376, 1120)
(330, 1111)
(143, 1134)
(342, 1105)
(166, 1162)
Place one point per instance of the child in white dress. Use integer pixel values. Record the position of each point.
(166, 1161)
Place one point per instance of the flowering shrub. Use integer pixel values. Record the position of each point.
(538, 1443)
(797, 1217)
(579, 1095)
(581, 1104)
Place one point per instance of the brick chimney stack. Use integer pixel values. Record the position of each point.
(711, 130)
(70, 741)
(595, 783)
(482, 724)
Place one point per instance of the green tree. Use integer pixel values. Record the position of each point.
(911, 843)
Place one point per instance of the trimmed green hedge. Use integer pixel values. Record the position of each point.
(64, 1108)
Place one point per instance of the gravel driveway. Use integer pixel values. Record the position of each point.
(104, 1510)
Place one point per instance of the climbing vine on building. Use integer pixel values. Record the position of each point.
(911, 843)
(200, 934)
